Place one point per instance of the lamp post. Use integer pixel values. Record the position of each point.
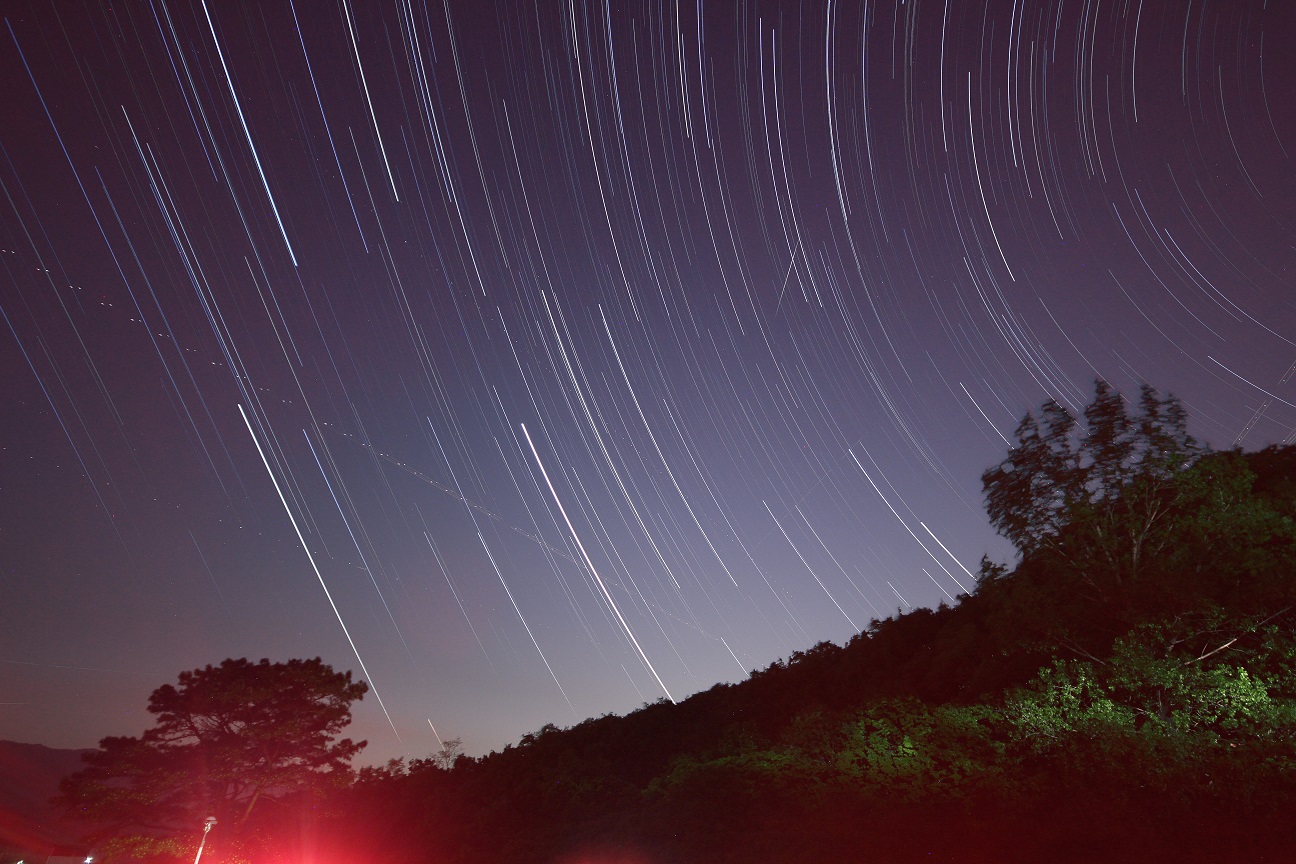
(207, 826)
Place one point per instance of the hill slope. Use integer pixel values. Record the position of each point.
(29, 777)
(1139, 709)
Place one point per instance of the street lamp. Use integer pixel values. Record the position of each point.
(207, 826)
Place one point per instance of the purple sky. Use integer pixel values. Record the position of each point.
(597, 353)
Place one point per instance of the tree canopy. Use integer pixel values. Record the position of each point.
(1108, 487)
(1127, 516)
(226, 737)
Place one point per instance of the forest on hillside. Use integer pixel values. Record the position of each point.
(1125, 689)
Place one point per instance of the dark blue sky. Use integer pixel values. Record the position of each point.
(599, 352)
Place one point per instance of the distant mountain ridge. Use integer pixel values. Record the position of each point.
(29, 778)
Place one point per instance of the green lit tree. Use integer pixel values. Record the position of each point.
(1198, 706)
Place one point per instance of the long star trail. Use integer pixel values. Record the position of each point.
(607, 595)
(315, 568)
(248, 133)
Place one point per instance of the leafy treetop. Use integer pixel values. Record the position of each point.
(226, 736)
(1112, 481)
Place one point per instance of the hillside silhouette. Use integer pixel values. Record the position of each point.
(29, 777)
(1125, 690)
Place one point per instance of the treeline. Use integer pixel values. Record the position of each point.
(1127, 691)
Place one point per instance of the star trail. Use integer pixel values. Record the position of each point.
(537, 361)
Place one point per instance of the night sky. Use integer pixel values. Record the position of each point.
(536, 364)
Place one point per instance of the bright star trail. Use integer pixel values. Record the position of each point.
(586, 349)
